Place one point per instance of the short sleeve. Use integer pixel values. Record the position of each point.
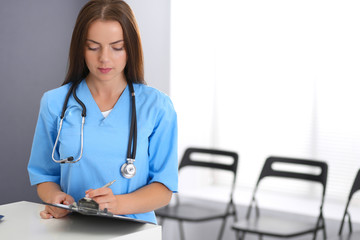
(41, 167)
(163, 155)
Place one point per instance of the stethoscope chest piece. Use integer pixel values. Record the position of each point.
(128, 169)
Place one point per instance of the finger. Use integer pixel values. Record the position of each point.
(98, 192)
(50, 210)
(105, 205)
(56, 212)
(106, 201)
(59, 199)
(101, 199)
(68, 200)
(87, 191)
(45, 215)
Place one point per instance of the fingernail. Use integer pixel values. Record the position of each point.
(87, 195)
(51, 216)
(66, 203)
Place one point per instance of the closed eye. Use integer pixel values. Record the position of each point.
(93, 48)
(118, 49)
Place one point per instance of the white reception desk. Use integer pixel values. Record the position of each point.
(22, 221)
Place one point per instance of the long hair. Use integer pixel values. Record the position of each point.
(114, 10)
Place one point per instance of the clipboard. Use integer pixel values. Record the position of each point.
(91, 208)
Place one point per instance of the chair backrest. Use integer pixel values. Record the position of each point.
(355, 187)
(269, 171)
(188, 159)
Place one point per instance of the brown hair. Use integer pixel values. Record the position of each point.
(115, 10)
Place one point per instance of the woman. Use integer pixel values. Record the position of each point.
(105, 67)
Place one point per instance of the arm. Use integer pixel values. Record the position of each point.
(43, 172)
(50, 192)
(145, 199)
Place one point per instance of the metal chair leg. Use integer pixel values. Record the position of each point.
(222, 228)
(181, 228)
(314, 236)
(237, 235)
(240, 235)
(324, 230)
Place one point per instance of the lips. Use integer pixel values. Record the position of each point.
(104, 70)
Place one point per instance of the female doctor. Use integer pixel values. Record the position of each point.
(72, 159)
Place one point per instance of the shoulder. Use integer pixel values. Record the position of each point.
(53, 100)
(156, 105)
(57, 92)
(152, 96)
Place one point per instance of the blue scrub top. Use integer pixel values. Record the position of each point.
(105, 143)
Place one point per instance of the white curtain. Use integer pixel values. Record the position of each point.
(269, 78)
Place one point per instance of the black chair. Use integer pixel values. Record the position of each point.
(355, 187)
(196, 211)
(280, 226)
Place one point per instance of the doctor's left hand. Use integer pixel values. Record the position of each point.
(104, 197)
(50, 212)
(51, 192)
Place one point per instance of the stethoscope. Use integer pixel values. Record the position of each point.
(128, 169)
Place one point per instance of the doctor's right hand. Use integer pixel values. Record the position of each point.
(54, 212)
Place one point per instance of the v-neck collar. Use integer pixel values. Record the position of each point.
(92, 109)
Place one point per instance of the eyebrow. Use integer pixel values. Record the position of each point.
(118, 41)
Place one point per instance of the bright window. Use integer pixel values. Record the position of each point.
(270, 78)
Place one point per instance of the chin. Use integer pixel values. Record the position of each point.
(104, 78)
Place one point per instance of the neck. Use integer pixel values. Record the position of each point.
(106, 93)
(106, 88)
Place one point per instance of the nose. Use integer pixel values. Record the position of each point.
(104, 55)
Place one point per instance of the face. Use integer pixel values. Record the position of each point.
(105, 54)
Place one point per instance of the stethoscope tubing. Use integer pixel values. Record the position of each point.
(83, 114)
(69, 159)
(133, 127)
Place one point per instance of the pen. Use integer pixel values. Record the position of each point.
(108, 184)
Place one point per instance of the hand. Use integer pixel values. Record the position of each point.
(54, 212)
(104, 197)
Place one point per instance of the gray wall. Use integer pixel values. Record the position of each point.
(153, 17)
(34, 41)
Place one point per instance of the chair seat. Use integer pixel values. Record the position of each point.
(276, 227)
(190, 212)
